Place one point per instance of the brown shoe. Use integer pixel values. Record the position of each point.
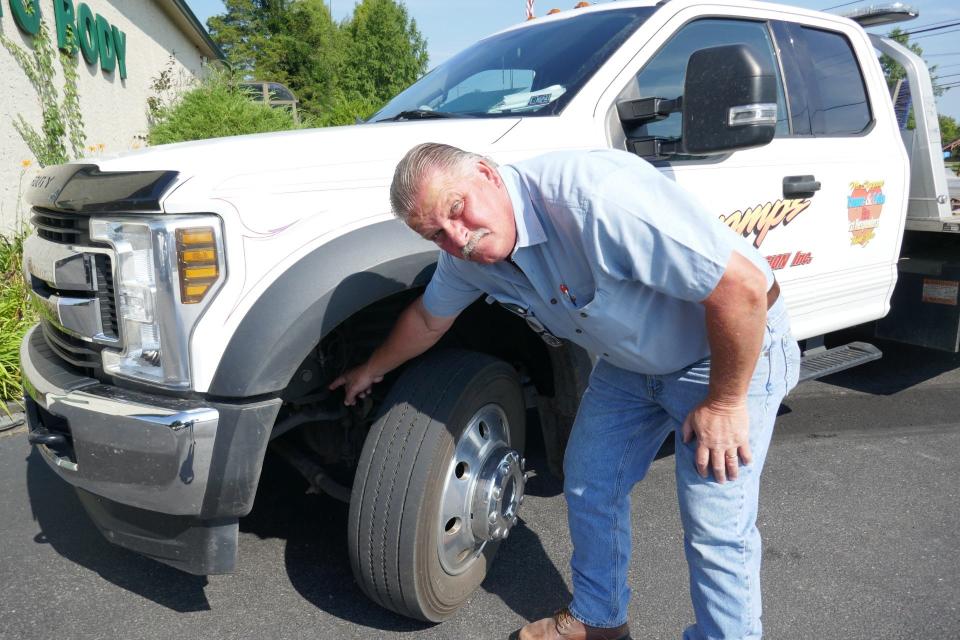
(563, 626)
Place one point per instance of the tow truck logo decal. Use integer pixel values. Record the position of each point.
(864, 205)
(759, 220)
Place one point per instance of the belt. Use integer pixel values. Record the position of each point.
(773, 294)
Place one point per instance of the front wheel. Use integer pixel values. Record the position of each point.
(438, 484)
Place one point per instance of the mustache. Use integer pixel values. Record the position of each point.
(472, 243)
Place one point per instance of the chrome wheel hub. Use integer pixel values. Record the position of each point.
(482, 492)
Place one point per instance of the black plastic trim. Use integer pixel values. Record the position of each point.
(84, 188)
(312, 298)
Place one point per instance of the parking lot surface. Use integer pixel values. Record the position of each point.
(859, 512)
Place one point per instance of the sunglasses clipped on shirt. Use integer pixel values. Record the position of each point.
(533, 323)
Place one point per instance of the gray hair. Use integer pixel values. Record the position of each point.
(420, 160)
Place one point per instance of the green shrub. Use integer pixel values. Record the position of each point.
(16, 315)
(215, 108)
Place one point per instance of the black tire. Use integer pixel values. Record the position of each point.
(395, 502)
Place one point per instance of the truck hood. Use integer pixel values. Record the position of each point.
(265, 177)
(348, 144)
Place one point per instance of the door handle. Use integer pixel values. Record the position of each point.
(800, 186)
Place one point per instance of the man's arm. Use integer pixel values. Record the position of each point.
(736, 314)
(415, 332)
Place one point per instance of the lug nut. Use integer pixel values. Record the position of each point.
(506, 532)
(493, 518)
(497, 492)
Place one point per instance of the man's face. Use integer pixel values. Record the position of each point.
(467, 214)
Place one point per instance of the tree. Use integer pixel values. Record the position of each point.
(892, 69)
(242, 31)
(949, 130)
(338, 72)
(386, 53)
(306, 52)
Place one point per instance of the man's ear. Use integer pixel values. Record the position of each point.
(488, 172)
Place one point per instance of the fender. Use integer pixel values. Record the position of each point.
(312, 298)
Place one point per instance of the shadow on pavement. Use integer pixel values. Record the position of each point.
(315, 530)
(901, 367)
(65, 526)
(525, 578)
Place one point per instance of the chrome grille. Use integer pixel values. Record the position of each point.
(72, 279)
(106, 295)
(77, 352)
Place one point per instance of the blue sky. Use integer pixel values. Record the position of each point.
(451, 25)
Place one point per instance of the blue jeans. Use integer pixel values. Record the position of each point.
(623, 419)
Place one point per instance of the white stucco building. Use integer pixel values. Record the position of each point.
(124, 46)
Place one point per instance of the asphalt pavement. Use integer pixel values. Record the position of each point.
(859, 512)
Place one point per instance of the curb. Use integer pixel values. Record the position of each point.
(14, 419)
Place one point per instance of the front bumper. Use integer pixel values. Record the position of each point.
(166, 477)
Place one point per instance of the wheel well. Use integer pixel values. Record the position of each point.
(336, 432)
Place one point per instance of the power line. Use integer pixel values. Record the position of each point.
(942, 33)
(920, 28)
(936, 55)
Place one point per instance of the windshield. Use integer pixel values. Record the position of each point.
(534, 70)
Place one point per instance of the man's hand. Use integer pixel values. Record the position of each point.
(722, 430)
(356, 382)
(415, 332)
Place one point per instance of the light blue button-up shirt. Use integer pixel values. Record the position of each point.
(614, 257)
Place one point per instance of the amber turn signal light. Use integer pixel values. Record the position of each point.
(197, 257)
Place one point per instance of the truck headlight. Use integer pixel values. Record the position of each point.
(165, 272)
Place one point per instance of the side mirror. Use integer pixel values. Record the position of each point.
(729, 100)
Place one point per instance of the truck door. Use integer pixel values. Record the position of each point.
(833, 256)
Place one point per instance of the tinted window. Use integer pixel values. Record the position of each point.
(664, 74)
(279, 92)
(835, 89)
(534, 70)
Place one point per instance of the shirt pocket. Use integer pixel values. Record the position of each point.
(605, 318)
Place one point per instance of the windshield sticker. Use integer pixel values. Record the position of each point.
(864, 205)
(529, 100)
(762, 218)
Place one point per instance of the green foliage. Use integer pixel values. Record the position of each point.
(217, 107)
(164, 93)
(16, 315)
(240, 32)
(386, 52)
(949, 129)
(62, 125)
(338, 72)
(892, 69)
(306, 54)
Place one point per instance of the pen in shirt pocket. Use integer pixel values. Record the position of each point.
(565, 290)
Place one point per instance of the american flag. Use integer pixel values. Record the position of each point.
(530, 15)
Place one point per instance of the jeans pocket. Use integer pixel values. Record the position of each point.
(762, 373)
(791, 358)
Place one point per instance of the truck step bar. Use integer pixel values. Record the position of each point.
(823, 362)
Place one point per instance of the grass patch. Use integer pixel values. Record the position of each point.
(16, 315)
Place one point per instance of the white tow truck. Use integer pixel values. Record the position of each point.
(198, 298)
